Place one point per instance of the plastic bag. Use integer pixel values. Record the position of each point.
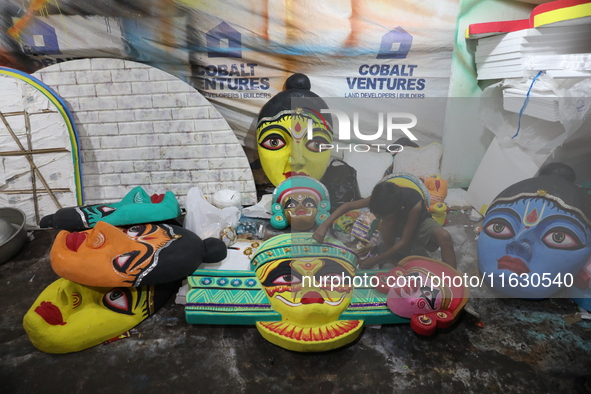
(534, 135)
(204, 219)
(341, 181)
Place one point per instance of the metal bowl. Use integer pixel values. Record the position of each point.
(13, 232)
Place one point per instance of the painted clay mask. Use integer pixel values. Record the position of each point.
(289, 284)
(136, 207)
(296, 273)
(143, 254)
(68, 317)
(284, 146)
(301, 202)
(416, 291)
(535, 232)
(437, 192)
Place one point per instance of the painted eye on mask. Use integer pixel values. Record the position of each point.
(332, 269)
(286, 279)
(309, 203)
(328, 277)
(290, 204)
(106, 210)
(314, 145)
(123, 261)
(500, 229)
(118, 300)
(273, 142)
(562, 238)
(135, 231)
(430, 296)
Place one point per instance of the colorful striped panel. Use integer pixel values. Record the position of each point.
(236, 297)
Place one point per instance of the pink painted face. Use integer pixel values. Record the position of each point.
(415, 292)
(420, 286)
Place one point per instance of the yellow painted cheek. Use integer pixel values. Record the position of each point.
(274, 164)
(316, 163)
(286, 311)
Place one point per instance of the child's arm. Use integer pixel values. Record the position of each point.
(388, 224)
(321, 231)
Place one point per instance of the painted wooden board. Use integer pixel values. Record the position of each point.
(561, 13)
(236, 297)
(554, 13)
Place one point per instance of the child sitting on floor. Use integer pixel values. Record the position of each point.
(402, 214)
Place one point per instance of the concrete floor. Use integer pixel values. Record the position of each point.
(503, 346)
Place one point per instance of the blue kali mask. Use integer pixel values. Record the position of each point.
(532, 233)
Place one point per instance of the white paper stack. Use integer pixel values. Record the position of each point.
(525, 52)
(541, 105)
(574, 65)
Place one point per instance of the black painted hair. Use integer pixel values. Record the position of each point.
(554, 182)
(386, 199)
(559, 169)
(296, 86)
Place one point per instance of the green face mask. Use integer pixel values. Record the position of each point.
(136, 207)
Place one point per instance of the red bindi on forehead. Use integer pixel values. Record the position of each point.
(532, 217)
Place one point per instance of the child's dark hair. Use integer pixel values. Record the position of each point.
(386, 199)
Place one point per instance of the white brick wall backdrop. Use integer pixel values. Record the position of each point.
(140, 126)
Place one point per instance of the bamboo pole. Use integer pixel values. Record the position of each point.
(33, 152)
(33, 180)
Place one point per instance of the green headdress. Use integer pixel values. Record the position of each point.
(297, 245)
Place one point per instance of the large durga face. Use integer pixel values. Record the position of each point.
(300, 288)
(535, 241)
(285, 149)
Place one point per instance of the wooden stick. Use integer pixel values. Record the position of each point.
(21, 113)
(7, 114)
(39, 191)
(33, 151)
(33, 180)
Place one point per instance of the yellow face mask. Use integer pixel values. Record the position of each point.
(310, 285)
(68, 317)
(285, 149)
(302, 289)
